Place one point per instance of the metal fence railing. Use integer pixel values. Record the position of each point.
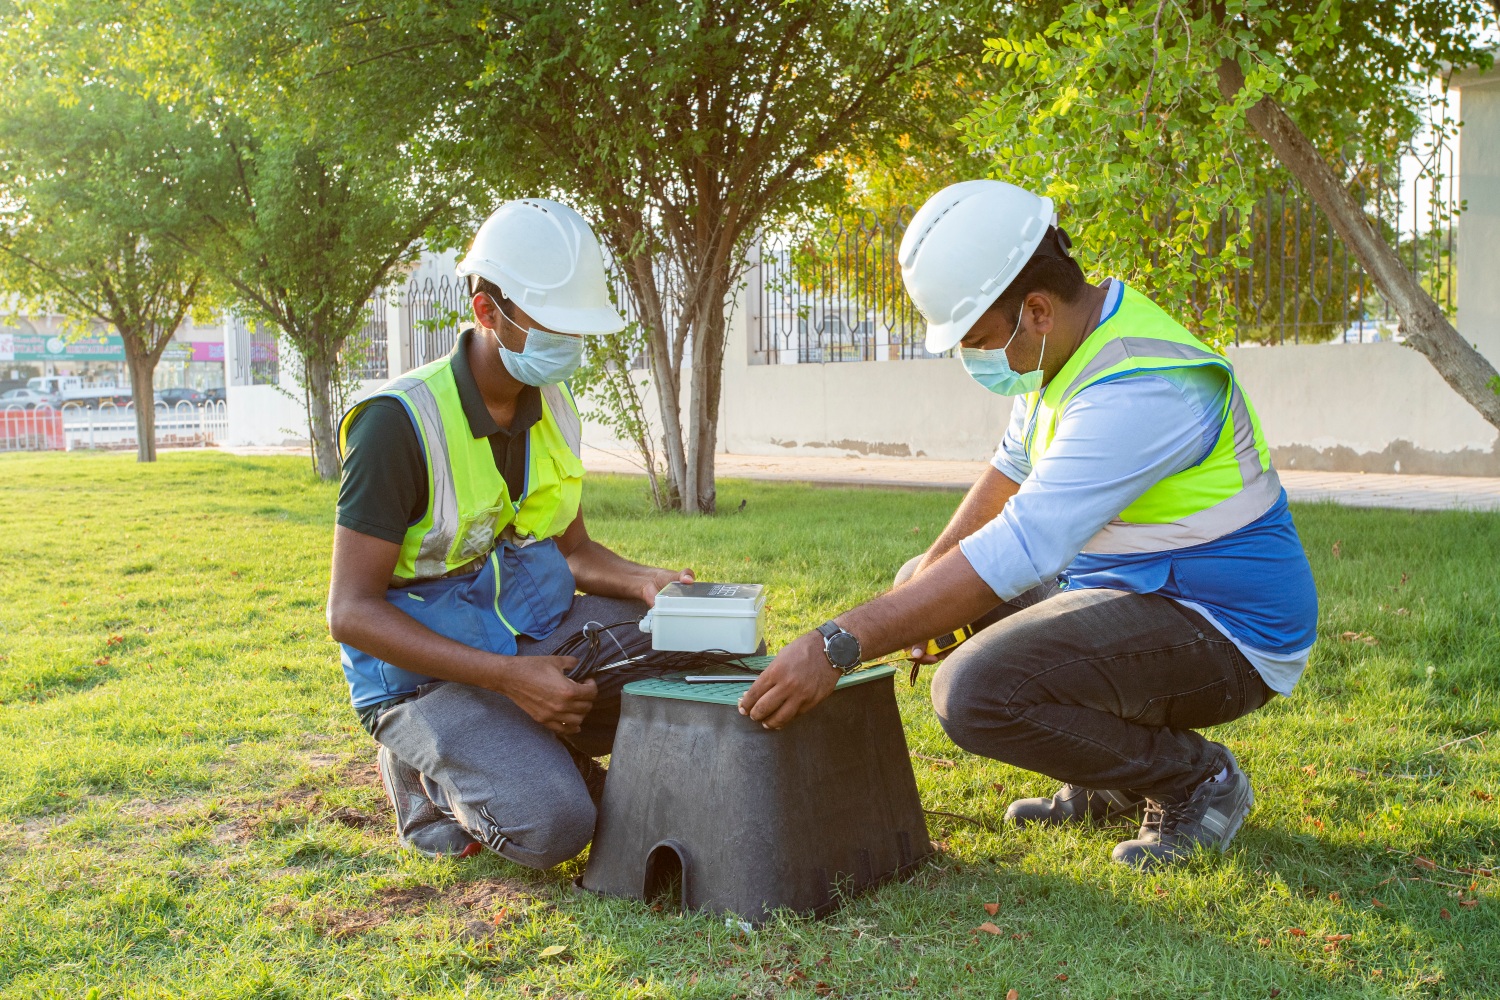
(833, 292)
(77, 426)
(367, 351)
(433, 311)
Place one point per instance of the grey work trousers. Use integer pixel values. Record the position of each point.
(1104, 689)
(504, 778)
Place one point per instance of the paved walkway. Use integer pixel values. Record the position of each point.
(1352, 489)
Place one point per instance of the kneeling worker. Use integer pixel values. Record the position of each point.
(1129, 563)
(458, 546)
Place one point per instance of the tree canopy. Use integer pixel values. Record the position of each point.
(1155, 121)
(681, 129)
(93, 180)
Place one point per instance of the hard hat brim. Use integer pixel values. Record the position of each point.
(946, 336)
(595, 322)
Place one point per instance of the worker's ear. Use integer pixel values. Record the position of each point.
(485, 312)
(1037, 309)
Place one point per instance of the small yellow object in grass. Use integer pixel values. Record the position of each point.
(552, 950)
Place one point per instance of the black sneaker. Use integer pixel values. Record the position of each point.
(421, 824)
(592, 772)
(1208, 818)
(1073, 804)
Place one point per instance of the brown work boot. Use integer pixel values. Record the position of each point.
(1074, 804)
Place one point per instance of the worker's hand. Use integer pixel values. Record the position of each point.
(540, 685)
(919, 654)
(796, 681)
(659, 578)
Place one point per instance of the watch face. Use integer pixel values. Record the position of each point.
(843, 650)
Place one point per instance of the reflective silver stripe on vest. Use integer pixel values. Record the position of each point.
(400, 385)
(1119, 537)
(432, 555)
(1124, 348)
(567, 418)
(1245, 451)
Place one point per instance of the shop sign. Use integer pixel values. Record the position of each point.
(18, 346)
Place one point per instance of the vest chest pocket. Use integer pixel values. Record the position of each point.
(569, 465)
(476, 533)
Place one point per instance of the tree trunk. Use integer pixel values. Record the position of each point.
(143, 395)
(652, 308)
(320, 417)
(703, 419)
(1422, 320)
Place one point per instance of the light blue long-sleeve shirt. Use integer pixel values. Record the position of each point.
(1113, 442)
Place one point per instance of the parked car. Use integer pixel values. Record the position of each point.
(171, 397)
(214, 395)
(29, 399)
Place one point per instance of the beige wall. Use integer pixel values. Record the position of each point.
(1479, 226)
(1364, 408)
(1337, 407)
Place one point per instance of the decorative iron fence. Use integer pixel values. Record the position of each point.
(834, 293)
(433, 311)
(366, 351)
(1305, 286)
(257, 352)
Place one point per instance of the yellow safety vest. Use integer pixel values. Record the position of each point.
(1227, 490)
(468, 503)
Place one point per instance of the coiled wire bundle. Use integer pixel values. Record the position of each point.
(622, 646)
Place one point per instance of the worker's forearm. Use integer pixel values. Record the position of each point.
(375, 627)
(981, 505)
(949, 595)
(598, 570)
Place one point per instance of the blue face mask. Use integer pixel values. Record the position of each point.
(992, 369)
(547, 358)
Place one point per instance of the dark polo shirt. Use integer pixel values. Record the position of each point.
(384, 485)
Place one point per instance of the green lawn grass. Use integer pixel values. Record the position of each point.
(188, 808)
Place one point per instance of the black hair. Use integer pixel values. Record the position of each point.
(488, 287)
(1051, 269)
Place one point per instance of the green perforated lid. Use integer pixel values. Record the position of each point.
(673, 686)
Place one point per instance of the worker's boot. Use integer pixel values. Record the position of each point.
(592, 772)
(421, 823)
(1207, 818)
(1074, 804)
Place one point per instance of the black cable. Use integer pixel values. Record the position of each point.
(635, 653)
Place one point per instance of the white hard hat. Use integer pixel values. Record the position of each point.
(543, 255)
(964, 246)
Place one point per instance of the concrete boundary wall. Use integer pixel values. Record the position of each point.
(1326, 407)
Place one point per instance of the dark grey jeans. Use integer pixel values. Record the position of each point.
(1100, 688)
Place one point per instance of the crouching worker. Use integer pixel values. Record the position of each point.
(1129, 563)
(458, 547)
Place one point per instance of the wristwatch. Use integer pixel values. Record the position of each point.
(841, 647)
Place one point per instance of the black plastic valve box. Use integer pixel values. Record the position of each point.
(753, 820)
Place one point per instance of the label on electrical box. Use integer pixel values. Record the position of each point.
(744, 591)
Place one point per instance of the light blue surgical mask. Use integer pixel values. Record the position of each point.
(547, 358)
(991, 368)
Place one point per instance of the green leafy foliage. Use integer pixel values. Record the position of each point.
(93, 180)
(1116, 111)
(680, 128)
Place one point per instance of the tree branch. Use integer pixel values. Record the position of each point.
(1422, 320)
